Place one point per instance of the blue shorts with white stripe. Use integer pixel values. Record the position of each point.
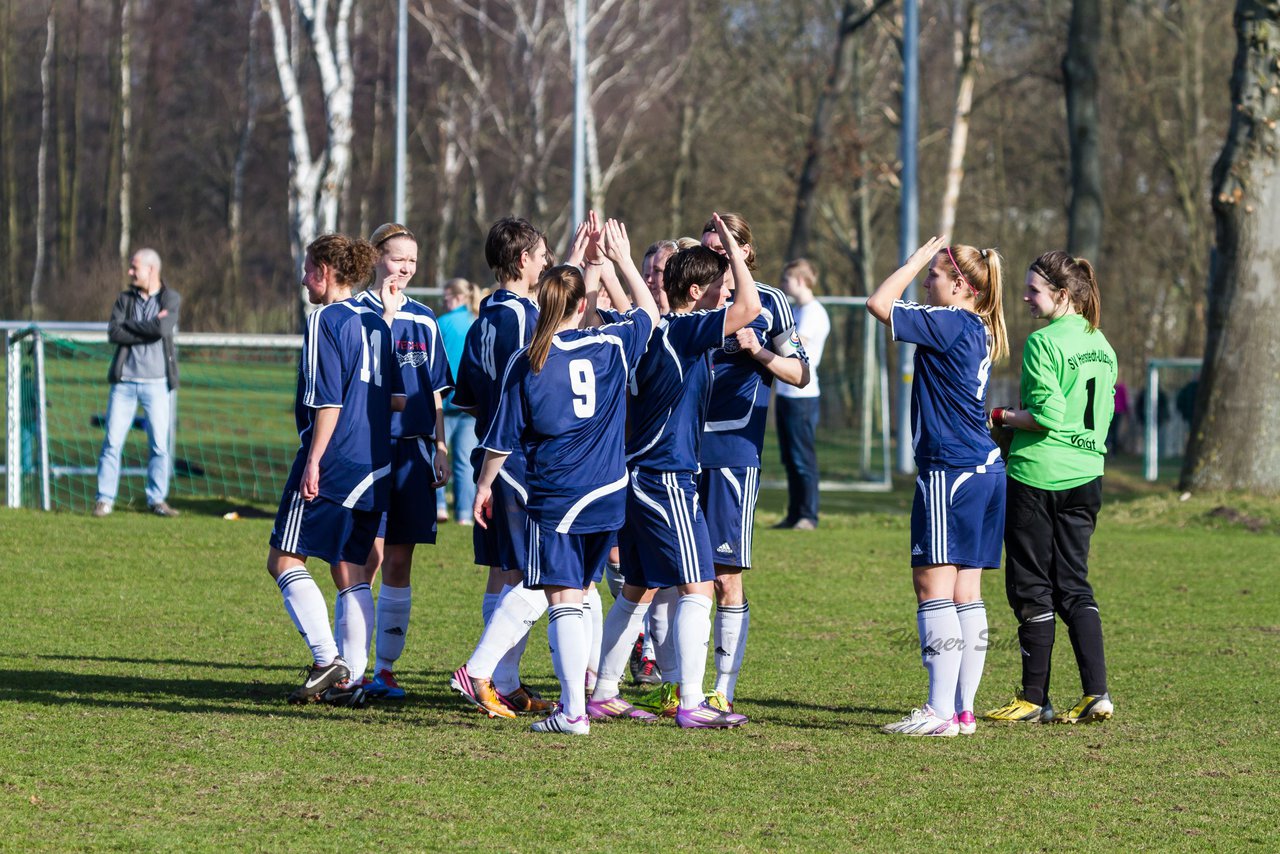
(665, 542)
(324, 529)
(958, 518)
(728, 498)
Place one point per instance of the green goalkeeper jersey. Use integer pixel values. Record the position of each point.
(1068, 385)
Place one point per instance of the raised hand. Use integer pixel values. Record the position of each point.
(616, 243)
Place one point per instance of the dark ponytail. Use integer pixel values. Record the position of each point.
(1074, 275)
(560, 289)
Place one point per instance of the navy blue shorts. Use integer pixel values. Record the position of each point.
(504, 542)
(728, 497)
(412, 515)
(958, 518)
(324, 529)
(665, 542)
(565, 560)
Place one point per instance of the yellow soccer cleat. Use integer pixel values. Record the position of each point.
(1091, 708)
(1020, 710)
(663, 700)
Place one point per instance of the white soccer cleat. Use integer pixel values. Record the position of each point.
(924, 722)
(558, 721)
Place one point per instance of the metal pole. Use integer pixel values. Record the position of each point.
(909, 214)
(1151, 447)
(579, 115)
(13, 413)
(42, 421)
(402, 100)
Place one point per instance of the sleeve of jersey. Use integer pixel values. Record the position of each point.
(783, 337)
(464, 395)
(701, 331)
(508, 422)
(441, 376)
(322, 364)
(1041, 389)
(635, 337)
(929, 327)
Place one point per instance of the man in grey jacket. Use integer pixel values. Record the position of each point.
(143, 371)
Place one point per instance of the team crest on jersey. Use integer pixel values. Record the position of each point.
(412, 358)
(731, 344)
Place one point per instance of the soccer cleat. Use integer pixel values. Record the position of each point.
(968, 726)
(644, 671)
(480, 693)
(384, 686)
(717, 700)
(1021, 710)
(1092, 708)
(160, 508)
(524, 701)
(103, 508)
(923, 722)
(663, 700)
(346, 694)
(558, 721)
(706, 716)
(616, 707)
(320, 679)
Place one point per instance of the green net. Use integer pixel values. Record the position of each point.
(234, 433)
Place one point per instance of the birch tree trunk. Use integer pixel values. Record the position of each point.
(1234, 442)
(1080, 72)
(316, 184)
(13, 233)
(126, 124)
(42, 157)
(968, 44)
(235, 207)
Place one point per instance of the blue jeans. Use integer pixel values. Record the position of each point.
(797, 428)
(460, 434)
(125, 397)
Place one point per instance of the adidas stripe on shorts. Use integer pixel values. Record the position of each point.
(665, 542)
(958, 518)
(728, 497)
(324, 529)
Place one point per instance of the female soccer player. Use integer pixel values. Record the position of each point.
(665, 543)
(958, 512)
(462, 306)
(337, 490)
(1055, 485)
(419, 457)
(564, 401)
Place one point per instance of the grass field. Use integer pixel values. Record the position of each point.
(147, 661)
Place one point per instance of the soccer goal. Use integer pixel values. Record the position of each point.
(1164, 411)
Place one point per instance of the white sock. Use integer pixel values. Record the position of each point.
(517, 610)
(567, 636)
(613, 578)
(693, 630)
(646, 647)
(490, 602)
(620, 629)
(973, 628)
(593, 613)
(355, 628)
(732, 624)
(940, 642)
(662, 624)
(305, 605)
(394, 604)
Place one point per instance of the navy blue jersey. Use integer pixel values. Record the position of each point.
(671, 391)
(503, 327)
(570, 419)
(424, 367)
(740, 387)
(347, 364)
(949, 392)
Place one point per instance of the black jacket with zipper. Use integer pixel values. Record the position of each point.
(124, 331)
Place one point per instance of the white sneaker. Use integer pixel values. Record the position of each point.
(923, 721)
(558, 721)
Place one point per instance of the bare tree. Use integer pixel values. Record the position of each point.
(42, 157)
(968, 46)
(316, 183)
(235, 205)
(126, 124)
(1233, 441)
(13, 233)
(853, 16)
(1080, 73)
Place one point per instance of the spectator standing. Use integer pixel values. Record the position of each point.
(144, 370)
(462, 305)
(797, 407)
